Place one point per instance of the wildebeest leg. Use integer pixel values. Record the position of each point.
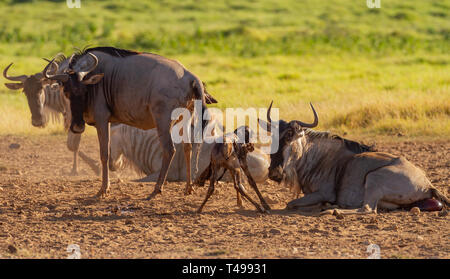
(200, 181)
(212, 180)
(73, 144)
(187, 147)
(372, 194)
(235, 173)
(168, 153)
(75, 164)
(253, 185)
(361, 211)
(238, 199)
(103, 138)
(307, 200)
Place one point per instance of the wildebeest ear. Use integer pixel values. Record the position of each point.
(93, 79)
(210, 99)
(14, 86)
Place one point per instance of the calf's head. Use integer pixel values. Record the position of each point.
(288, 133)
(75, 81)
(33, 87)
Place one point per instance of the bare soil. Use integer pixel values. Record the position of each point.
(43, 210)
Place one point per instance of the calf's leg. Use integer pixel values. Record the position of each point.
(239, 200)
(253, 185)
(212, 180)
(235, 173)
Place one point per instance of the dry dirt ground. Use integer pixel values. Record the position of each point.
(43, 210)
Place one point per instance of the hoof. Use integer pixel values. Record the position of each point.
(154, 194)
(100, 195)
(188, 191)
(263, 210)
(267, 207)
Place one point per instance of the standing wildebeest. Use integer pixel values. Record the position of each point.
(44, 99)
(231, 155)
(107, 84)
(142, 150)
(330, 169)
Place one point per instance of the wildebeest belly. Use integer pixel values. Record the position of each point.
(351, 188)
(140, 117)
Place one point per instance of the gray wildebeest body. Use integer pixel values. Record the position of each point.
(107, 84)
(46, 100)
(142, 150)
(330, 169)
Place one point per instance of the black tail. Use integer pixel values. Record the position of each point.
(199, 94)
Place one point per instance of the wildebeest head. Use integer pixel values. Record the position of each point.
(33, 87)
(244, 137)
(75, 80)
(244, 134)
(288, 132)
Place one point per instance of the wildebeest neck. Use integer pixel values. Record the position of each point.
(324, 157)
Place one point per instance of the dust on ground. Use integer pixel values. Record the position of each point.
(43, 210)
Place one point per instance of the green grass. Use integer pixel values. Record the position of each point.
(367, 71)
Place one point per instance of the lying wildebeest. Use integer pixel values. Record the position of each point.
(231, 155)
(330, 169)
(45, 99)
(107, 84)
(141, 149)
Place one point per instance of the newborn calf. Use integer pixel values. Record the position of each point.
(231, 155)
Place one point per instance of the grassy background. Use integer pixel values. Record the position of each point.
(369, 72)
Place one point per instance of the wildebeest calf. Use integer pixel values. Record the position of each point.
(231, 155)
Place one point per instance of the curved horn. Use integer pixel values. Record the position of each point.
(312, 125)
(21, 78)
(54, 63)
(59, 77)
(83, 73)
(95, 64)
(70, 59)
(269, 127)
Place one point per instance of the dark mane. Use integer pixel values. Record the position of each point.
(60, 57)
(117, 52)
(353, 146)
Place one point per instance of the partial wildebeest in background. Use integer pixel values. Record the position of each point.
(107, 84)
(231, 155)
(142, 150)
(353, 176)
(46, 100)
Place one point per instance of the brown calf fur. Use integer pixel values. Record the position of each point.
(232, 156)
